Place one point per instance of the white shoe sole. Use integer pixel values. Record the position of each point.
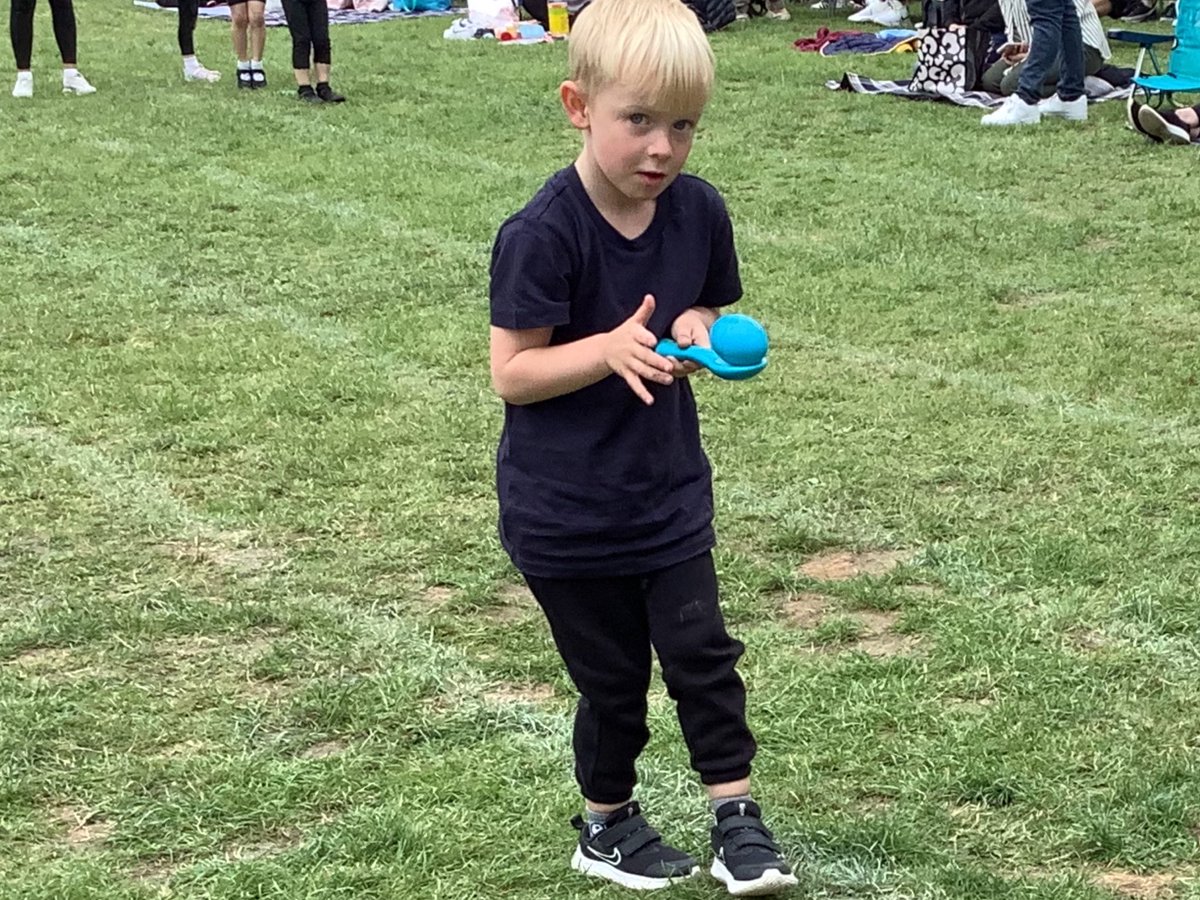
(1157, 127)
(771, 881)
(22, 95)
(598, 869)
(79, 92)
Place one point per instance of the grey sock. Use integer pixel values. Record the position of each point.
(594, 821)
(721, 801)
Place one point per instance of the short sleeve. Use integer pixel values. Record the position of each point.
(723, 283)
(530, 277)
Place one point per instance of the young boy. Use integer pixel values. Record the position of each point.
(605, 492)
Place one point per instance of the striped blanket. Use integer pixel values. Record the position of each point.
(1098, 91)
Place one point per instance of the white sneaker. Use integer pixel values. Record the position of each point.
(868, 12)
(1071, 110)
(893, 13)
(24, 85)
(1014, 111)
(75, 83)
(199, 73)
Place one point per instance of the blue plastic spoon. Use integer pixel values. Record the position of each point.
(739, 348)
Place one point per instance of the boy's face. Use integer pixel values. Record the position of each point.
(635, 146)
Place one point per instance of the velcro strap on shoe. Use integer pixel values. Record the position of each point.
(738, 832)
(628, 836)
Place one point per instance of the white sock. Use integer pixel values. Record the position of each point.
(256, 64)
(24, 76)
(70, 72)
(243, 65)
(190, 63)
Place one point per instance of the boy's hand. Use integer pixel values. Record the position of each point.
(629, 352)
(688, 330)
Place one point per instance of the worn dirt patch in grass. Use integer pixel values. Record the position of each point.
(516, 604)
(876, 638)
(436, 596)
(507, 693)
(842, 565)
(82, 828)
(42, 660)
(806, 610)
(283, 841)
(231, 551)
(1156, 886)
(324, 750)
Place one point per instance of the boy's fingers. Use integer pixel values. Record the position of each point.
(645, 311)
(638, 388)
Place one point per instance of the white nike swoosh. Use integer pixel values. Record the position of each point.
(613, 858)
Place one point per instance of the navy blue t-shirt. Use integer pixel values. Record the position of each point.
(595, 483)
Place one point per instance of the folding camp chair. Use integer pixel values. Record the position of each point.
(1183, 64)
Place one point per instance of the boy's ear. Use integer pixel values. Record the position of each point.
(574, 103)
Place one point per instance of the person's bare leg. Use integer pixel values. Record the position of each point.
(258, 28)
(240, 19)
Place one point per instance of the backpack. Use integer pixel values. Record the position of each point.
(949, 59)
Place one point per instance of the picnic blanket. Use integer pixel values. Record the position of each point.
(1098, 91)
(275, 18)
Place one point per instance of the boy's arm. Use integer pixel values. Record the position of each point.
(526, 369)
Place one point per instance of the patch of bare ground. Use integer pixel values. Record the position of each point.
(276, 844)
(1155, 886)
(842, 565)
(40, 660)
(806, 610)
(156, 870)
(231, 551)
(82, 828)
(436, 596)
(183, 748)
(869, 803)
(876, 635)
(1088, 641)
(324, 750)
(515, 604)
(506, 693)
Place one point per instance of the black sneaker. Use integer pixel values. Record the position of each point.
(245, 82)
(328, 94)
(746, 857)
(626, 850)
(258, 78)
(306, 93)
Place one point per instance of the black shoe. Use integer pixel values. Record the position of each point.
(626, 850)
(328, 94)
(244, 79)
(306, 93)
(258, 78)
(746, 857)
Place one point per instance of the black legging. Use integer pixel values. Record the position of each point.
(189, 11)
(308, 21)
(20, 25)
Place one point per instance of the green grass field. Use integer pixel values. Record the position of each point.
(257, 635)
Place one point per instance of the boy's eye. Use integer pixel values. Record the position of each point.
(684, 125)
(637, 118)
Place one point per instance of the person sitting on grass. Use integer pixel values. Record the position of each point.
(1008, 75)
(772, 9)
(308, 21)
(1166, 126)
(605, 492)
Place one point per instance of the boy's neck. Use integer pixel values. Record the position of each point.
(629, 217)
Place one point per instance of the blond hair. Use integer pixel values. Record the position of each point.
(655, 47)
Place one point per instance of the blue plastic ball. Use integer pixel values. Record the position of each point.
(739, 340)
